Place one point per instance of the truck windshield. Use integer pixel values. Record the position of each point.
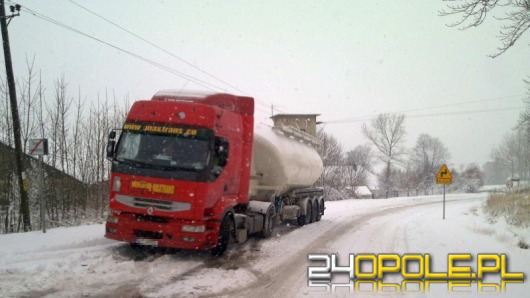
(163, 152)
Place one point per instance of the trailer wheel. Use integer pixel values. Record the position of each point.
(314, 211)
(225, 232)
(268, 223)
(320, 211)
(309, 215)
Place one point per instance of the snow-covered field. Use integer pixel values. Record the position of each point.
(80, 262)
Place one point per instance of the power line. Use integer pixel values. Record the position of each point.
(205, 84)
(463, 103)
(261, 110)
(466, 112)
(365, 118)
(165, 51)
(156, 46)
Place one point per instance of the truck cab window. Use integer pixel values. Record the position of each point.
(128, 147)
(162, 151)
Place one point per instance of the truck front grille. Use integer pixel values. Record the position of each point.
(159, 205)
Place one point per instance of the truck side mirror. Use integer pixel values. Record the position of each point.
(110, 148)
(221, 151)
(220, 156)
(111, 144)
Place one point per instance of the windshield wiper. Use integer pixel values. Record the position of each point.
(134, 162)
(191, 168)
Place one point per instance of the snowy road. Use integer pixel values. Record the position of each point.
(79, 262)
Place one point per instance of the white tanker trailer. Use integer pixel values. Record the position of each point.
(283, 159)
(285, 165)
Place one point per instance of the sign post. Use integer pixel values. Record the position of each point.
(444, 177)
(40, 147)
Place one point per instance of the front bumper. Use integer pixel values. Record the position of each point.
(161, 232)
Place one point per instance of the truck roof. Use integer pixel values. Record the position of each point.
(238, 104)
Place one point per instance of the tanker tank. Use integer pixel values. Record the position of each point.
(283, 158)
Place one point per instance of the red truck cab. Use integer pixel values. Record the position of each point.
(180, 168)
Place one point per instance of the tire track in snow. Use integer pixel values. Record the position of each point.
(289, 279)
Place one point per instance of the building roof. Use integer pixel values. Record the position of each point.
(363, 191)
(293, 115)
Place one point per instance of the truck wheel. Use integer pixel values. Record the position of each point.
(304, 218)
(268, 223)
(309, 215)
(301, 220)
(225, 232)
(320, 211)
(314, 212)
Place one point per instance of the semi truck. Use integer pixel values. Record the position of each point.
(192, 170)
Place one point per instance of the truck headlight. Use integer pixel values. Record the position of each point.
(193, 229)
(112, 219)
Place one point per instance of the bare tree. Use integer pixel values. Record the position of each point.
(61, 140)
(472, 13)
(511, 153)
(331, 153)
(28, 110)
(28, 104)
(103, 116)
(406, 180)
(359, 163)
(428, 155)
(6, 124)
(470, 179)
(76, 170)
(523, 128)
(387, 132)
(524, 118)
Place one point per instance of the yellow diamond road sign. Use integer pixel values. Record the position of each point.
(444, 176)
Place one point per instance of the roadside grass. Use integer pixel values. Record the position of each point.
(514, 207)
(484, 230)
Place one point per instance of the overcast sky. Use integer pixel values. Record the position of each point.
(346, 60)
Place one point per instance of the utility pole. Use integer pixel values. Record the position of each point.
(19, 155)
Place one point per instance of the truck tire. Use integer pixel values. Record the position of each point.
(225, 233)
(135, 246)
(268, 223)
(320, 211)
(309, 213)
(305, 219)
(301, 220)
(314, 211)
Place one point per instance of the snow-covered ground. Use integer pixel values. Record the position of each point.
(79, 262)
